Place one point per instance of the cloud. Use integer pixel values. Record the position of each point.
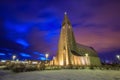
(38, 22)
(101, 38)
(101, 29)
(43, 41)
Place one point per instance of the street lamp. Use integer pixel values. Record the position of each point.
(87, 59)
(53, 60)
(118, 58)
(13, 57)
(17, 60)
(46, 56)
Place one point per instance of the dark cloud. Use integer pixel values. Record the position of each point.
(2, 29)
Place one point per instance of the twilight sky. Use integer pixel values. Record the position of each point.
(33, 26)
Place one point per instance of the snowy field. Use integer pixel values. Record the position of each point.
(62, 75)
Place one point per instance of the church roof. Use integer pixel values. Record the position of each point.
(76, 49)
(81, 50)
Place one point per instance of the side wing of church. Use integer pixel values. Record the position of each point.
(72, 54)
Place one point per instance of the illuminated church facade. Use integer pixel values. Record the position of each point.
(72, 54)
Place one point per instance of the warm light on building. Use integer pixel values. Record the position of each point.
(61, 63)
(71, 53)
(86, 55)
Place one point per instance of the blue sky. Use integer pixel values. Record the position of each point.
(34, 25)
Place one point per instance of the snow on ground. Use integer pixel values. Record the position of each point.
(62, 75)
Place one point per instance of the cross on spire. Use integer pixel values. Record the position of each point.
(65, 13)
(66, 20)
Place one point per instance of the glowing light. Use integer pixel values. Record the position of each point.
(118, 56)
(86, 55)
(34, 62)
(13, 57)
(65, 13)
(61, 63)
(82, 60)
(17, 60)
(46, 55)
(3, 60)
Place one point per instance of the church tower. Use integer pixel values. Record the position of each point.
(66, 42)
(71, 53)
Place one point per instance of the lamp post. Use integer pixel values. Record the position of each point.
(118, 58)
(46, 56)
(13, 57)
(17, 60)
(53, 60)
(87, 59)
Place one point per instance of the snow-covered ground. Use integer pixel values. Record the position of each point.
(62, 75)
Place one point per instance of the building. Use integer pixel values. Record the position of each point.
(72, 54)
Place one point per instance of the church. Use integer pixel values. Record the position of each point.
(70, 53)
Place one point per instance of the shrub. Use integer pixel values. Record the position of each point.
(91, 67)
(29, 67)
(9, 66)
(18, 68)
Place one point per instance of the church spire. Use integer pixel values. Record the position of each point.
(66, 20)
(65, 13)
